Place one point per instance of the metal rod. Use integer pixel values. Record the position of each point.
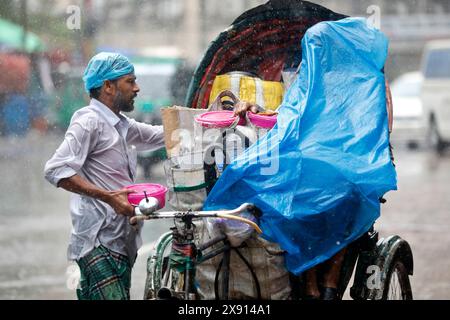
(211, 242)
(229, 214)
(243, 207)
(187, 284)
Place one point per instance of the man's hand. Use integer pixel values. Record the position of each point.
(118, 200)
(241, 108)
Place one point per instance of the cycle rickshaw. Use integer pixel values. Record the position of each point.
(261, 40)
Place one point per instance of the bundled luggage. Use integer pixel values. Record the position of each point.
(200, 144)
(250, 88)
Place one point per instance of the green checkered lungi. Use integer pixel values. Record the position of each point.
(105, 275)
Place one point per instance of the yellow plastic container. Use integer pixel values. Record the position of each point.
(267, 94)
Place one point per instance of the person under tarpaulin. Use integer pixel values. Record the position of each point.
(96, 161)
(333, 266)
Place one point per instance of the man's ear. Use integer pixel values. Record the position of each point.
(109, 87)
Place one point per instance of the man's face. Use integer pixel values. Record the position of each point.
(126, 91)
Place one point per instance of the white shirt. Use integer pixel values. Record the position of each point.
(102, 148)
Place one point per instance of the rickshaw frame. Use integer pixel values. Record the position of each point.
(263, 40)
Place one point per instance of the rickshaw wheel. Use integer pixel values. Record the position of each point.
(397, 286)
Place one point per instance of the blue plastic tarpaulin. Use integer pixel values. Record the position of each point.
(319, 173)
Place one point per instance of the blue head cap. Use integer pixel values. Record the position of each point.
(105, 66)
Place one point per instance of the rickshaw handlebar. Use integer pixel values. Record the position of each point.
(227, 214)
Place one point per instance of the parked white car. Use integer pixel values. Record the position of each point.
(409, 122)
(436, 93)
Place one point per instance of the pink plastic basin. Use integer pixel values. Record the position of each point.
(152, 189)
(218, 119)
(262, 121)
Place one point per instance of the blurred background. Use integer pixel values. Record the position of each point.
(45, 45)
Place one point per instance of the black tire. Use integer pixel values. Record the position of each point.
(434, 138)
(397, 286)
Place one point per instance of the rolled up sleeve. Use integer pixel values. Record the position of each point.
(144, 136)
(71, 154)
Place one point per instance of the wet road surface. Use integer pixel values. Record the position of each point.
(35, 222)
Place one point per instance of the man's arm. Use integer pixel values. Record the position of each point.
(118, 200)
(70, 156)
(144, 136)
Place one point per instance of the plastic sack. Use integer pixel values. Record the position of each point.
(319, 173)
(267, 94)
(236, 231)
(265, 259)
(184, 168)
